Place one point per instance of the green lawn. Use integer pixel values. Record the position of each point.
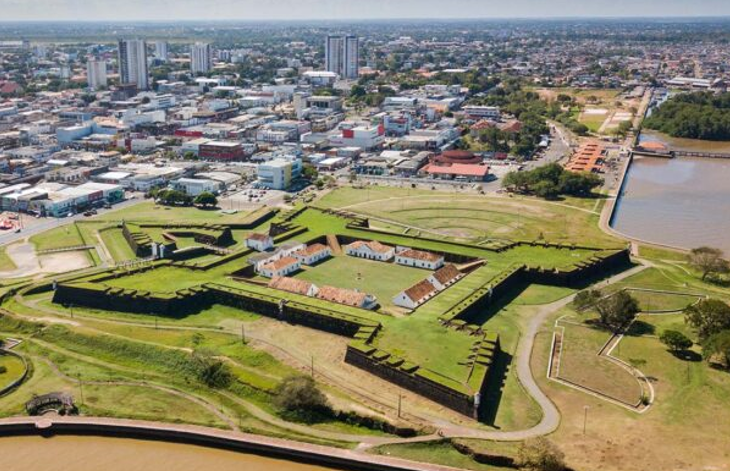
(64, 236)
(433, 452)
(383, 280)
(653, 301)
(148, 211)
(472, 218)
(117, 245)
(6, 263)
(14, 367)
(593, 121)
(580, 364)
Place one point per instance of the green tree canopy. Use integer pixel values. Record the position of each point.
(708, 317)
(676, 341)
(617, 310)
(300, 394)
(206, 199)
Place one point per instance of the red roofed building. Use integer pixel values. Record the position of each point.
(415, 295)
(466, 172)
(419, 259)
(590, 157)
(450, 157)
(281, 267)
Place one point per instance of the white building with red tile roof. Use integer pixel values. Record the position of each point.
(371, 250)
(445, 277)
(347, 297)
(259, 242)
(282, 267)
(416, 295)
(293, 285)
(419, 259)
(312, 254)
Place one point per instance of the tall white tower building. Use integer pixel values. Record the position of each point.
(200, 58)
(161, 50)
(96, 73)
(133, 63)
(342, 56)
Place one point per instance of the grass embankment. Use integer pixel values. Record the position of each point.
(84, 353)
(466, 217)
(117, 245)
(60, 237)
(150, 212)
(13, 369)
(443, 453)
(6, 263)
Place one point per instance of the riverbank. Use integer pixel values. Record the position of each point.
(327, 457)
(672, 203)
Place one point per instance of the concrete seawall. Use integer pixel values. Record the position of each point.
(330, 457)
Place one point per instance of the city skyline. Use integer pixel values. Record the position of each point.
(185, 10)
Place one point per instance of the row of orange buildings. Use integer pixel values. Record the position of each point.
(590, 157)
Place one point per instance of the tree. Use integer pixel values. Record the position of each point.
(206, 199)
(708, 317)
(212, 371)
(676, 341)
(579, 183)
(300, 394)
(173, 197)
(546, 189)
(540, 454)
(716, 348)
(587, 299)
(617, 310)
(709, 261)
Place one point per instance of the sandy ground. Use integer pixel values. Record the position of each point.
(298, 345)
(29, 264)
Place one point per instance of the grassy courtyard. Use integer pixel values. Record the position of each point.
(382, 280)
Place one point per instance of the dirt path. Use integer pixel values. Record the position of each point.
(23, 256)
(175, 392)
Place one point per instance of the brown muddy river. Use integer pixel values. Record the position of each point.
(683, 202)
(84, 453)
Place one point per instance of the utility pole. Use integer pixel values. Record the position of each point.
(243, 334)
(81, 389)
(585, 418)
(400, 401)
(312, 367)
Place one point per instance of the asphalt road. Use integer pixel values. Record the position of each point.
(45, 224)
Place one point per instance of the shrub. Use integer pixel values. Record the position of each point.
(540, 454)
(300, 394)
(3, 370)
(212, 371)
(586, 299)
(675, 341)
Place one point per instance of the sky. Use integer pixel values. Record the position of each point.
(89, 10)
